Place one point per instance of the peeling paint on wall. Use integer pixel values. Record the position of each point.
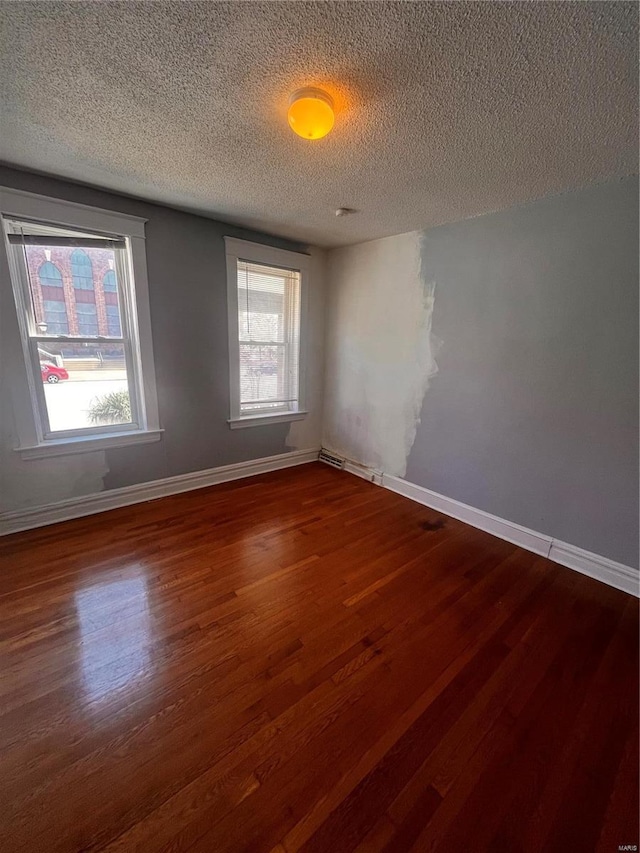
(23, 484)
(380, 351)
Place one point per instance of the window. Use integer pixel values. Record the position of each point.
(81, 270)
(82, 274)
(90, 380)
(49, 275)
(87, 319)
(110, 290)
(55, 316)
(109, 284)
(52, 293)
(113, 320)
(266, 300)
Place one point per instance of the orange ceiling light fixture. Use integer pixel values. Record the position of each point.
(310, 113)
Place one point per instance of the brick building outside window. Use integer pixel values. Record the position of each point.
(74, 292)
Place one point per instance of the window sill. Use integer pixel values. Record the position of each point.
(67, 446)
(263, 420)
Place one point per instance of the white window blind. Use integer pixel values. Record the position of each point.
(269, 338)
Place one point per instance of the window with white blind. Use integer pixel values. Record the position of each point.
(80, 288)
(266, 294)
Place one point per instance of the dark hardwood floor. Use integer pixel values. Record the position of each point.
(305, 661)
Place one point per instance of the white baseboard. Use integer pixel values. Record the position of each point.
(605, 570)
(529, 539)
(601, 568)
(26, 519)
(362, 471)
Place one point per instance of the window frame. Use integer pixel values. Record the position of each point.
(59, 285)
(258, 253)
(28, 397)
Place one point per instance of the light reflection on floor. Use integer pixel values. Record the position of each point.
(115, 636)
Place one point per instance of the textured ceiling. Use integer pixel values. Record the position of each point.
(446, 110)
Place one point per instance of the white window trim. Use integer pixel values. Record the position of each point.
(32, 445)
(269, 256)
(263, 420)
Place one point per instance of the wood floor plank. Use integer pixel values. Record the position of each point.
(305, 661)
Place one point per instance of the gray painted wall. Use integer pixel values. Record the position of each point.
(533, 415)
(187, 282)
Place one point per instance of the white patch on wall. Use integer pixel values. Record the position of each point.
(42, 481)
(380, 351)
